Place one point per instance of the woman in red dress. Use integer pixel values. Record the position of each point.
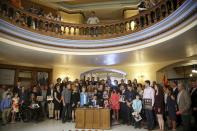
(115, 105)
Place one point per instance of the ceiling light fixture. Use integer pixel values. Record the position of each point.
(194, 70)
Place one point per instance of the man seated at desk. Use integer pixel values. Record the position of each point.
(94, 102)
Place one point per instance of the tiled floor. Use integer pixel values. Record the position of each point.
(53, 125)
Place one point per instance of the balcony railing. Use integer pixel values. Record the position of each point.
(34, 23)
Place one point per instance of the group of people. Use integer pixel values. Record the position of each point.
(21, 19)
(147, 4)
(35, 24)
(130, 102)
(40, 12)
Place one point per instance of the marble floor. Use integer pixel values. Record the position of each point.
(53, 125)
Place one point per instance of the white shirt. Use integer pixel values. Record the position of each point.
(165, 97)
(51, 93)
(193, 90)
(93, 20)
(179, 95)
(174, 88)
(149, 93)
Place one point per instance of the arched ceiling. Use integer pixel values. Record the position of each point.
(181, 47)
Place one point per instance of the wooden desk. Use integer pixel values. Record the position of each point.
(93, 118)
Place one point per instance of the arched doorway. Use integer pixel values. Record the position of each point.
(180, 71)
(103, 73)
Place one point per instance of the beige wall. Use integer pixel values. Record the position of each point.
(76, 18)
(141, 72)
(130, 13)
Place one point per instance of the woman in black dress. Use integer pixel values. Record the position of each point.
(57, 102)
(171, 108)
(159, 105)
(75, 98)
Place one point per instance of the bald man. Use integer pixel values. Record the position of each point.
(184, 106)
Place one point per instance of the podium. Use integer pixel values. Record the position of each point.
(92, 118)
(80, 120)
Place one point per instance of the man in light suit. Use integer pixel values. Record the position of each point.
(184, 106)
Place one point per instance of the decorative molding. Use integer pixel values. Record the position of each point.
(103, 70)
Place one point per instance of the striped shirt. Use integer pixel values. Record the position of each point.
(149, 93)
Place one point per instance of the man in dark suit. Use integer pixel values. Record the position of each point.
(93, 81)
(17, 89)
(95, 102)
(175, 92)
(175, 89)
(193, 93)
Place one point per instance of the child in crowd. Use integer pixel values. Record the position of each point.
(137, 107)
(5, 107)
(15, 106)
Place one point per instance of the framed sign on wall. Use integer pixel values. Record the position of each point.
(43, 78)
(7, 76)
(28, 76)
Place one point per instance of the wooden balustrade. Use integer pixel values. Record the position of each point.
(53, 28)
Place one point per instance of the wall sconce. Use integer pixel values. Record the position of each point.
(141, 76)
(194, 71)
(191, 75)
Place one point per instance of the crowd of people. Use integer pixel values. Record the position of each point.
(147, 4)
(130, 102)
(40, 12)
(34, 23)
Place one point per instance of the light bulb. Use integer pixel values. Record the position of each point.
(190, 75)
(194, 71)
